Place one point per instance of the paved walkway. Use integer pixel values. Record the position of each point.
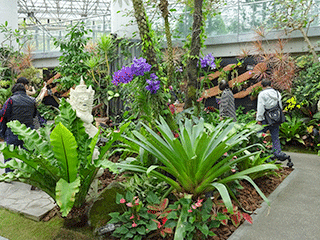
(294, 212)
(19, 197)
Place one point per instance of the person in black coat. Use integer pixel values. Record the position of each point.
(19, 107)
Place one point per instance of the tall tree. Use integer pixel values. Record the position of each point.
(193, 57)
(292, 15)
(145, 32)
(163, 6)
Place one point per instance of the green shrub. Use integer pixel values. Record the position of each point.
(58, 161)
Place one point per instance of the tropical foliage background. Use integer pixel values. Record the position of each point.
(179, 166)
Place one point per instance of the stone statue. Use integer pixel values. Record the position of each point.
(81, 100)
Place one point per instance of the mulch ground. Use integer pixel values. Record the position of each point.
(248, 198)
(251, 200)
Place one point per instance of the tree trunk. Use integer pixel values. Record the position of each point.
(310, 46)
(165, 14)
(192, 68)
(148, 47)
(144, 31)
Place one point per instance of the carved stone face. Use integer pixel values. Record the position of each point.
(83, 103)
(81, 100)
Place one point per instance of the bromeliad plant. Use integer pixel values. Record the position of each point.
(195, 158)
(58, 161)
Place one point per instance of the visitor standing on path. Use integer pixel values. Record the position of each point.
(226, 107)
(19, 107)
(269, 98)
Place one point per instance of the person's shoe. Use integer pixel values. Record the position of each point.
(282, 156)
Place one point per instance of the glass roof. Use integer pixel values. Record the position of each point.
(52, 11)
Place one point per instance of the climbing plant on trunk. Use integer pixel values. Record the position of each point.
(149, 50)
(145, 33)
(163, 6)
(193, 55)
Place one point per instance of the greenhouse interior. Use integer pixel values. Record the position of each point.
(159, 119)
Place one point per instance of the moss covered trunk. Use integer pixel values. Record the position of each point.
(145, 33)
(165, 14)
(192, 69)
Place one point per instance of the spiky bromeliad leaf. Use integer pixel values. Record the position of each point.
(66, 194)
(65, 151)
(196, 158)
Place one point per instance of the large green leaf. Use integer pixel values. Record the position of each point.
(27, 174)
(224, 194)
(67, 115)
(243, 175)
(180, 231)
(66, 194)
(65, 151)
(38, 145)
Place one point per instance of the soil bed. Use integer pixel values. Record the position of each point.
(248, 198)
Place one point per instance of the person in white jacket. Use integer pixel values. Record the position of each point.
(269, 98)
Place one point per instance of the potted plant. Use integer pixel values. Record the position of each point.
(254, 92)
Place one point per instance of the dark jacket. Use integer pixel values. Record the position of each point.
(20, 107)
